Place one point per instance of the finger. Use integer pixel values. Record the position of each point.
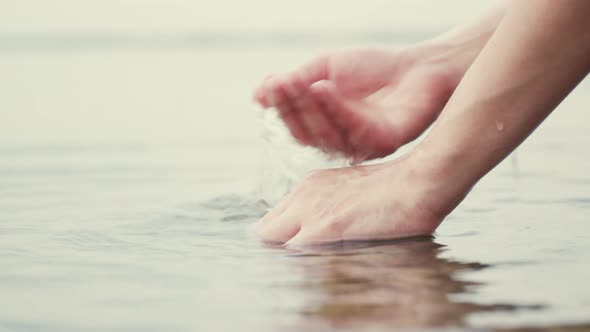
(298, 81)
(309, 236)
(294, 86)
(325, 133)
(282, 87)
(339, 108)
(293, 119)
(315, 70)
(299, 240)
(322, 131)
(261, 94)
(280, 229)
(356, 129)
(275, 215)
(344, 114)
(274, 95)
(275, 212)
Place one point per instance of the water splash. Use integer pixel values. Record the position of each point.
(285, 161)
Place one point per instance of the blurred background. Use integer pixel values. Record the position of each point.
(113, 71)
(132, 164)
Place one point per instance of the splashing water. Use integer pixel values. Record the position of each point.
(286, 161)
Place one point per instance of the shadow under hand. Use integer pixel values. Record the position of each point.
(385, 284)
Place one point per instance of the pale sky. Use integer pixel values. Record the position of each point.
(168, 16)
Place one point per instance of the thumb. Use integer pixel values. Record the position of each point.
(314, 71)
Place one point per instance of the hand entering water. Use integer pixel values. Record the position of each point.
(384, 201)
(363, 103)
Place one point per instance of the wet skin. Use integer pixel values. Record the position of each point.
(519, 77)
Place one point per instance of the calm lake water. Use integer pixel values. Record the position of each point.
(129, 178)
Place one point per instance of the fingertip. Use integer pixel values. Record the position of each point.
(299, 240)
(261, 95)
(272, 227)
(276, 91)
(278, 232)
(258, 97)
(260, 230)
(253, 229)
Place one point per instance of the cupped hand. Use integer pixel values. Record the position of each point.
(362, 103)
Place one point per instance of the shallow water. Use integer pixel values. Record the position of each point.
(129, 179)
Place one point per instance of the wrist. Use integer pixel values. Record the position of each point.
(451, 54)
(445, 178)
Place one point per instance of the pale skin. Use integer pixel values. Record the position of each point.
(493, 82)
(365, 103)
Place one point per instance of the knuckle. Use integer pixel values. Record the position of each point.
(336, 226)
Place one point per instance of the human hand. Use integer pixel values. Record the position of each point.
(375, 202)
(362, 103)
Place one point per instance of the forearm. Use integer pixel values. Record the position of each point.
(537, 55)
(457, 49)
(482, 27)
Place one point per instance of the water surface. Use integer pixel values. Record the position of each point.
(129, 179)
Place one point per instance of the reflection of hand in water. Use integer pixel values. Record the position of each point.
(392, 284)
